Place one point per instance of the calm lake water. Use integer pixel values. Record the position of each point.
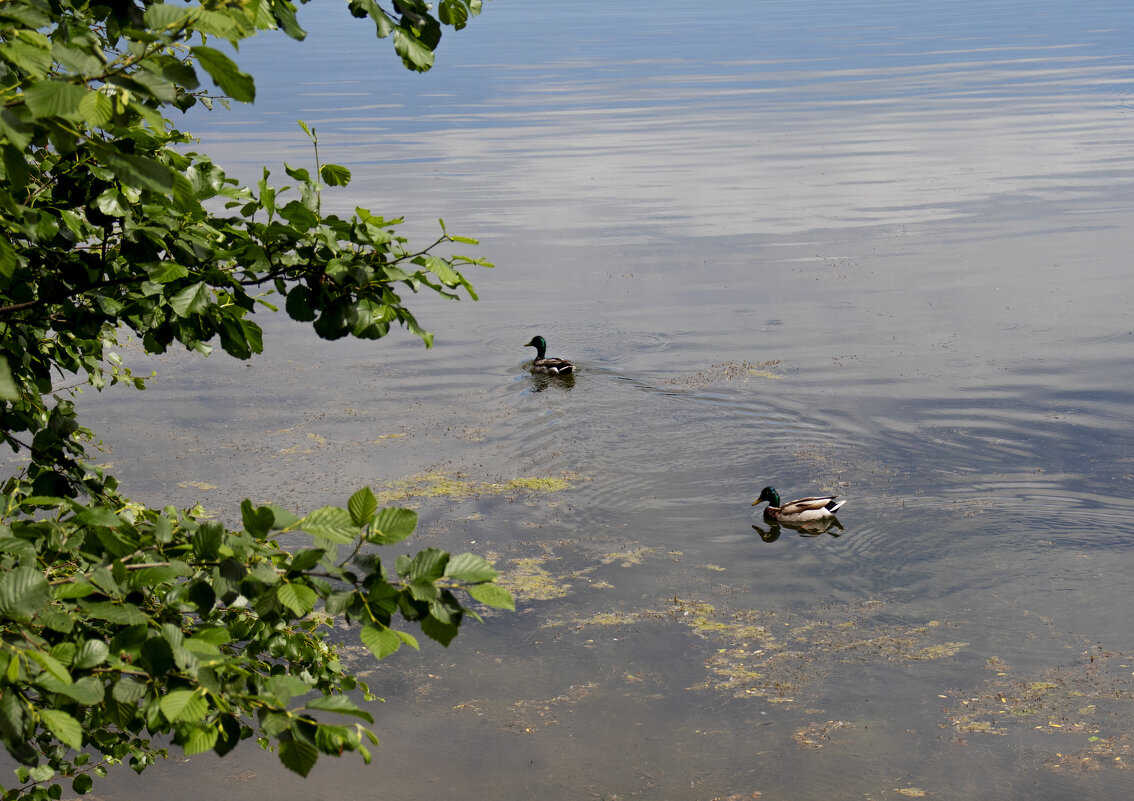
(878, 249)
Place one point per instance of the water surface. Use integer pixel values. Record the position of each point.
(876, 249)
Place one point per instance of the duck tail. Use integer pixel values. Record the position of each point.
(834, 506)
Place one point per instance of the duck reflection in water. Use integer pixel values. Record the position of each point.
(812, 528)
(543, 381)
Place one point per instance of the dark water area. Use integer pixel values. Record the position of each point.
(876, 249)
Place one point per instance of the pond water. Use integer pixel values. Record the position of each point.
(876, 249)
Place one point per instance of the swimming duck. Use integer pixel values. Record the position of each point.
(801, 511)
(542, 364)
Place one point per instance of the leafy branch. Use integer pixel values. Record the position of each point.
(123, 625)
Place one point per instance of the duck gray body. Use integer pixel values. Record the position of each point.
(543, 364)
(802, 510)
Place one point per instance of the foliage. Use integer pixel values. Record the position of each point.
(120, 622)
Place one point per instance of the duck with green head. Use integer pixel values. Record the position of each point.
(800, 511)
(543, 364)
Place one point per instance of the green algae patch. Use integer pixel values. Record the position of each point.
(737, 629)
(527, 579)
(1085, 709)
(531, 716)
(779, 656)
(817, 735)
(609, 619)
(725, 372)
(627, 558)
(532, 485)
(938, 651)
(439, 484)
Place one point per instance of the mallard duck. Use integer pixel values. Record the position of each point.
(801, 511)
(542, 364)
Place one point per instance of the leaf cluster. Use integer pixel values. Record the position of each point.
(118, 622)
(120, 625)
(108, 224)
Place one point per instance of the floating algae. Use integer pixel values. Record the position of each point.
(728, 371)
(1087, 709)
(777, 656)
(817, 735)
(438, 484)
(527, 579)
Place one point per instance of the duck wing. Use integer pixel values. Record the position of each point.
(555, 365)
(802, 505)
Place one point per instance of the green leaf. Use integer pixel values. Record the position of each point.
(415, 55)
(214, 635)
(33, 58)
(229, 731)
(428, 565)
(298, 304)
(166, 15)
(96, 109)
(439, 631)
(341, 704)
(23, 592)
(123, 614)
(184, 705)
(298, 598)
(153, 576)
(380, 641)
(74, 590)
(98, 516)
(87, 691)
(9, 391)
(334, 175)
(136, 171)
(64, 651)
(82, 783)
(128, 690)
(28, 15)
(493, 595)
(285, 16)
(443, 270)
(200, 740)
(65, 728)
(471, 568)
(305, 560)
(392, 525)
(284, 519)
(362, 506)
(9, 261)
(408, 639)
(298, 755)
(112, 203)
(50, 665)
(191, 300)
(92, 653)
(453, 12)
(207, 541)
(163, 272)
(226, 74)
(55, 99)
(284, 687)
(257, 521)
(56, 620)
(331, 523)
